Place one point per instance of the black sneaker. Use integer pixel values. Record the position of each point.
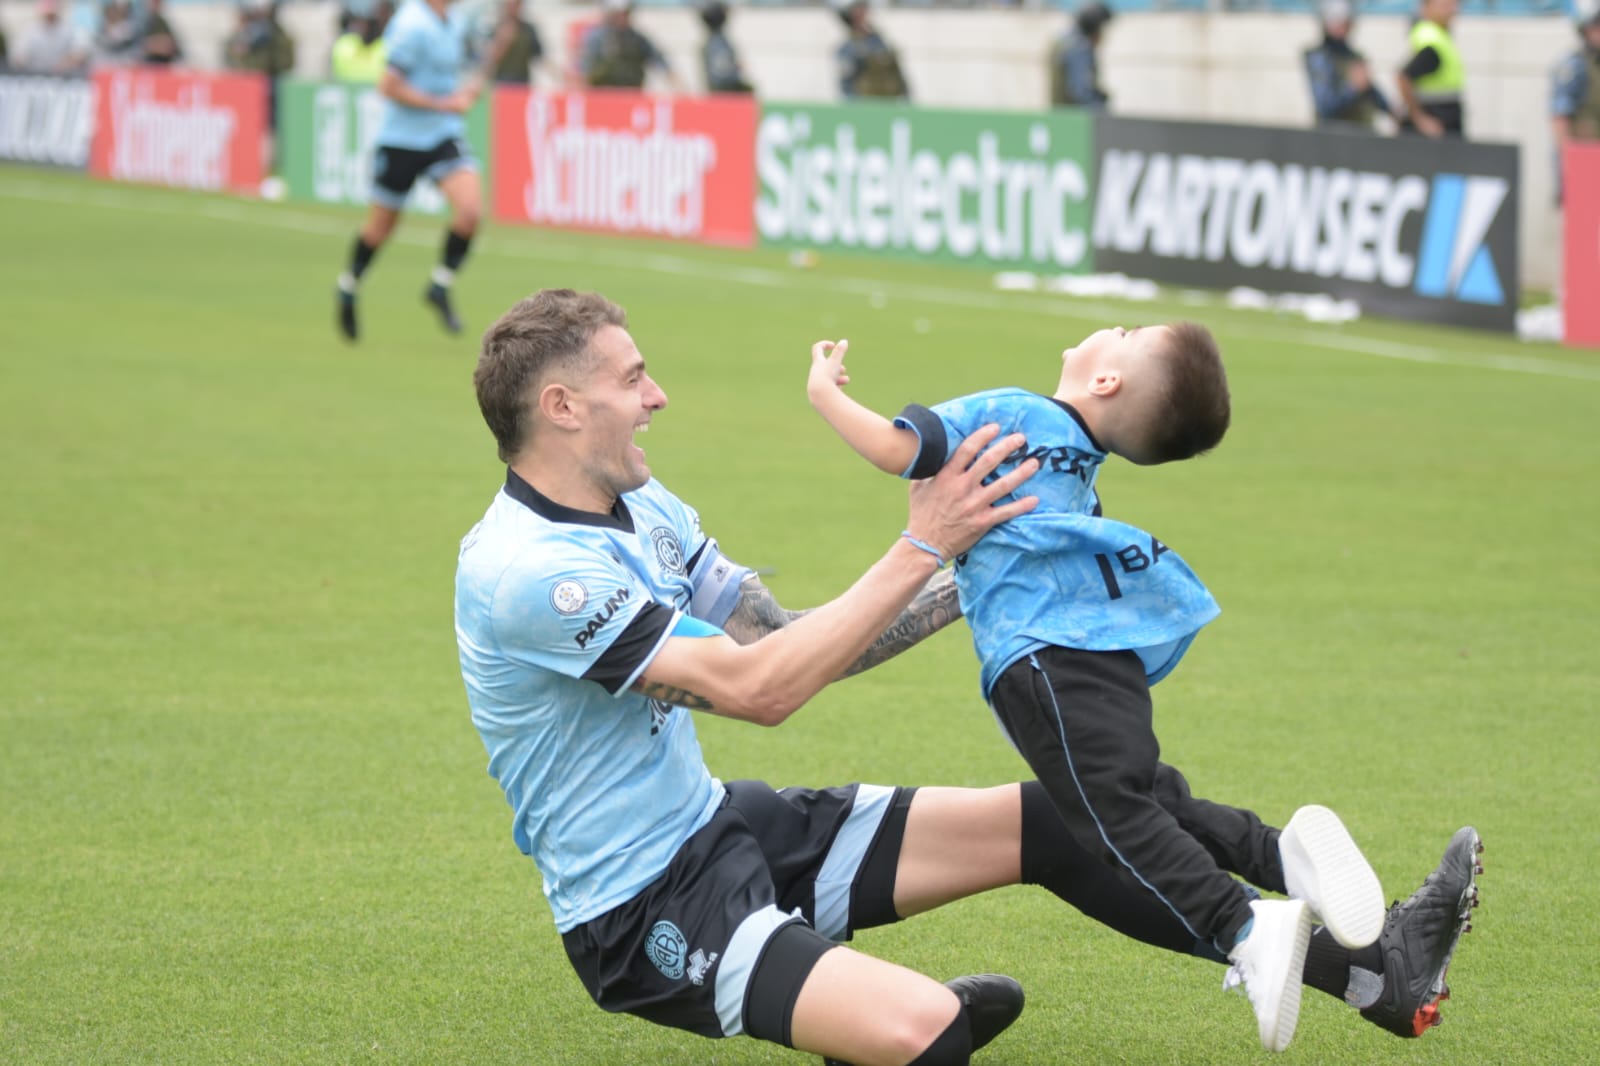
(1420, 936)
(439, 297)
(992, 1002)
(347, 315)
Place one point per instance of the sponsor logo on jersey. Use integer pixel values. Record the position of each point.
(669, 553)
(568, 597)
(602, 616)
(699, 964)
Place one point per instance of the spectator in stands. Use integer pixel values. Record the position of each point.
(258, 43)
(157, 40)
(1074, 61)
(359, 55)
(1575, 99)
(2, 48)
(868, 65)
(1432, 80)
(514, 49)
(1341, 84)
(51, 45)
(117, 39)
(724, 74)
(617, 56)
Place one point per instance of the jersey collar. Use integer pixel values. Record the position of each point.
(619, 517)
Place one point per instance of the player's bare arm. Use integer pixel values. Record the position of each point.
(677, 697)
(936, 606)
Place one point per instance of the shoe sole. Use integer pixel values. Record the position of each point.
(1278, 1031)
(1427, 1015)
(1323, 866)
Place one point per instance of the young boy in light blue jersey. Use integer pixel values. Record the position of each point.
(1074, 617)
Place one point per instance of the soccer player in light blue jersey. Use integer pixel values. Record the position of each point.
(1074, 617)
(593, 614)
(422, 134)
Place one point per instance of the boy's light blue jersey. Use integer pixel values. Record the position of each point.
(429, 52)
(557, 613)
(1061, 575)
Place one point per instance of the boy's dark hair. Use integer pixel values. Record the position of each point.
(552, 328)
(1192, 408)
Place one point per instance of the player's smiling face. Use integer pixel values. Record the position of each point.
(619, 398)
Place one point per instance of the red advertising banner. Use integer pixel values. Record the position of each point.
(1580, 178)
(180, 128)
(625, 162)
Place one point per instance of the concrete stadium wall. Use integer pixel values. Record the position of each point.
(1243, 68)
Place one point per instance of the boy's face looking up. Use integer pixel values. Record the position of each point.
(1115, 350)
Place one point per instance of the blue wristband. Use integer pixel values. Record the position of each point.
(924, 546)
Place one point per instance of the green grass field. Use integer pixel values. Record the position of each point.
(245, 814)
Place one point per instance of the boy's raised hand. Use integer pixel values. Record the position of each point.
(827, 368)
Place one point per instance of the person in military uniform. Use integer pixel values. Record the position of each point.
(1341, 84)
(1575, 95)
(514, 47)
(1432, 80)
(724, 74)
(1075, 64)
(868, 65)
(617, 56)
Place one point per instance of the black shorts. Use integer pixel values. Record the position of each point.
(770, 883)
(396, 170)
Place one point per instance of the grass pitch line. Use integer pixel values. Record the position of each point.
(276, 216)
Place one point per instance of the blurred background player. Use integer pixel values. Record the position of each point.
(1575, 93)
(617, 56)
(868, 65)
(422, 134)
(1075, 63)
(1432, 81)
(1341, 83)
(724, 73)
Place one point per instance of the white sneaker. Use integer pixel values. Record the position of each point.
(1323, 866)
(1269, 963)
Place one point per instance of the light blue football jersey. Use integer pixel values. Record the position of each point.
(1061, 575)
(429, 52)
(557, 613)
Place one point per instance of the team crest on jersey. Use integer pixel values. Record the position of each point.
(667, 948)
(568, 597)
(668, 552)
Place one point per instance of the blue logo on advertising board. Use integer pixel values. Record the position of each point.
(1453, 261)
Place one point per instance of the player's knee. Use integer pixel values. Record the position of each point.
(466, 220)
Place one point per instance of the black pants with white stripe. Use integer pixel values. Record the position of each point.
(1082, 720)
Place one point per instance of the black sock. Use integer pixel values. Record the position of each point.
(953, 1047)
(361, 258)
(1331, 967)
(455, 250)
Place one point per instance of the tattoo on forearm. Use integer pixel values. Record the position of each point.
(757, 613)
(677, 697)
(935, 607)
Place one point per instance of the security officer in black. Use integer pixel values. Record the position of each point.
(868, 66)
(1075, 64)
(617, 56)
(724, 74)
(1342, 90)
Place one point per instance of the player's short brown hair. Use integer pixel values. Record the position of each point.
(549, 330)
(1192, 408)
